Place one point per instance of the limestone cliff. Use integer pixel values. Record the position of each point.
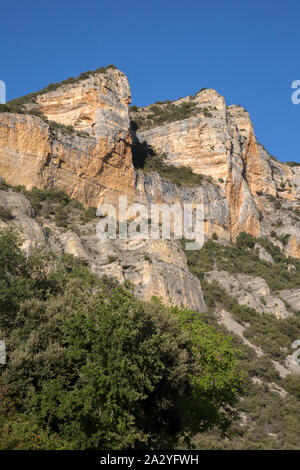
(87, 165)
(77, 136)
(217, 140)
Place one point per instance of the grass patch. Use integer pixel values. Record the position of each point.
(150, 163)
(162, 113)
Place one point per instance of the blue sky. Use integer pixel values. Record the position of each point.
(247, 50)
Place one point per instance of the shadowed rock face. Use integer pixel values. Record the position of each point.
(87, 168)
(152, 188)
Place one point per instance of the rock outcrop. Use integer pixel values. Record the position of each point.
(93, 161)
(21, 218)
(154, 267)
(292, 298)
(77, 136)
(251, 291)
(219, 141)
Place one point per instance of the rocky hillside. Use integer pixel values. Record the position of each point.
(74, 144)
(216, 140)
(77, 136)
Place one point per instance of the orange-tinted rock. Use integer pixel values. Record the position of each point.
(87, 168)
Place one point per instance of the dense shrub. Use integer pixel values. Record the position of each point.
(5, 214)
(162, 113)
(90, 367)
(241, 258)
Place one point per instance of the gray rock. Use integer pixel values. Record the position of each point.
(263, 254)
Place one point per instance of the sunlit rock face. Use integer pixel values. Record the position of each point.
(92, 162)
(89, 165)
(219, 141)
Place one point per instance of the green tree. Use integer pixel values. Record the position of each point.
(91, 367)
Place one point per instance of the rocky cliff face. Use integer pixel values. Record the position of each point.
(87, 166)
(219, 141)
(155, 268)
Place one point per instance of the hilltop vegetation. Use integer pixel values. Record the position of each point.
(31, 97)
(161, 113)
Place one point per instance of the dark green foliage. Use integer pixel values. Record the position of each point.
(268, 420)
(162, 113)
(3, 185)
(292, 384)
(243, 258)
(61, 216)
(90, 367)
(271, 422)
(43, 199)
(5, 214)
(182, 176)
(293, 164)
(54, 126)
(88, 214)
(55, 203)
(245, 240)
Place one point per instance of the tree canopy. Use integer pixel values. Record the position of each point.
(89, 366)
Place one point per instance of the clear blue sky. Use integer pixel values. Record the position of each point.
(247, 50)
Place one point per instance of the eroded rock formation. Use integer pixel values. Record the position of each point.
(78, 137)
(87, 166)
(219, 141)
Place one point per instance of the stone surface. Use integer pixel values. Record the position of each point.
(263, 254)
(87, 168)
(292, 298)
(250, 191)
(152, 188)
(221, 143)
(30, 231)
(154, 267)
(251, 291)
(73, 245)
